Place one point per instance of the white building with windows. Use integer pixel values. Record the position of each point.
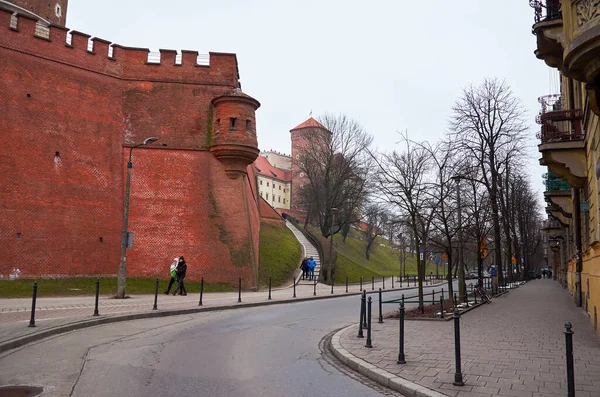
(274, 184)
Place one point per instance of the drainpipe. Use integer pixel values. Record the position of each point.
(578, 258)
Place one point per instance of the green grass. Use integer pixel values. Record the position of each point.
(87, 286)
(279, 254)
(383, 261)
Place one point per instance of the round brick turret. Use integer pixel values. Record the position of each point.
(234, 138)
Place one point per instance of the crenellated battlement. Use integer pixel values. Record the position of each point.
(26, 35)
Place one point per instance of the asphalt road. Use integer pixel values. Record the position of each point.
(252, 352)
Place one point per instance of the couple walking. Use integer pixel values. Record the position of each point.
(178, 270)
(308, 268)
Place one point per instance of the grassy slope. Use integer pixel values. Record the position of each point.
(279, 254)
(87, 286)
(384, 261)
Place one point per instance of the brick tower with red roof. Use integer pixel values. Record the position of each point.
(299, 136)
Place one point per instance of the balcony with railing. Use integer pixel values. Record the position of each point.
(558, 193)
(562, 140)
(548, 28)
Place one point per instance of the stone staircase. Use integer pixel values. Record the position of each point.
(309, 250)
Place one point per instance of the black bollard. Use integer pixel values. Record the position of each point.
(201, 290)
(360, 320)
(458, 378)
(474, 293)
(401, 358)
(372, 283)
(315, 288)
(332, 282)
(380, 304)
(97, 295)
(383, 282)
(433, 297)
(155, 307)
(570, 369)
(34, 298)
(294, 288)
(368, 344)
(361, 283)
(392, 282)
(269, 289)
(365, 310)
(454, 301)
(239, 290)
(442, 306)
(346, 284)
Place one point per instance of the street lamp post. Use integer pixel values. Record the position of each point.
(461, 270)
(402, 257)
(122, 273)
(330, 270)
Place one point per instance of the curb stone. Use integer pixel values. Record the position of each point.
(384, 378)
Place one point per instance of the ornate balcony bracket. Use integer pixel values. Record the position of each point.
(550, 41)
(558, 215)
(566, 159)
(561, 200)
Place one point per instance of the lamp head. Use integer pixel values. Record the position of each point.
(150, 140)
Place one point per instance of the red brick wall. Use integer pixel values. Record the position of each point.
(45, 9)
(69, 208)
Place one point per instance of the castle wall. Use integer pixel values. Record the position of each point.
(62, 213)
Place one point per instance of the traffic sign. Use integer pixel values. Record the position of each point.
(513, 260)
(444, 257)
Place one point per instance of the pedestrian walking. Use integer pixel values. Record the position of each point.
(494, 276)
(304, 268)
(311, 267)
(180, 273)
(173, 273)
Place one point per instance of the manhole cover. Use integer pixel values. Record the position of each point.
(20, 391)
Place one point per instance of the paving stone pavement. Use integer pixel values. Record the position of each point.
(514, 346)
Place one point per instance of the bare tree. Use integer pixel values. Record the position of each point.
(488, 125)
(376, 217)
(445, 166)
(337, 165)
(403, 179)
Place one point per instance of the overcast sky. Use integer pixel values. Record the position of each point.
(393, 65)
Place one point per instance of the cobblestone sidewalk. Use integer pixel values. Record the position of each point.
(514, 346)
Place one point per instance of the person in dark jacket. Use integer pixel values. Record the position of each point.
(181, 270)
(304, 268)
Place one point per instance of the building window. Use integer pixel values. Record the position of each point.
(261, 182)
(218, 126)
(302, 175)
(260, 194)
(273, 198)
(283, 201)
(297, 156)
(267, 184)
(267, 194)
(249, 126)
(58, 11)
(279, 187)
(232, 122)
(279, 199)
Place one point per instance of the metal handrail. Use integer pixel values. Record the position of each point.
(546, 10)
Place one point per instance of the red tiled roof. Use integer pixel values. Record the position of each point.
(309, 123)
(263, 167)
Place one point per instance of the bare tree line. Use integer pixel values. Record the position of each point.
(416, 188)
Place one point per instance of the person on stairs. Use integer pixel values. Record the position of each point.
(311, 267)
(304, 268)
